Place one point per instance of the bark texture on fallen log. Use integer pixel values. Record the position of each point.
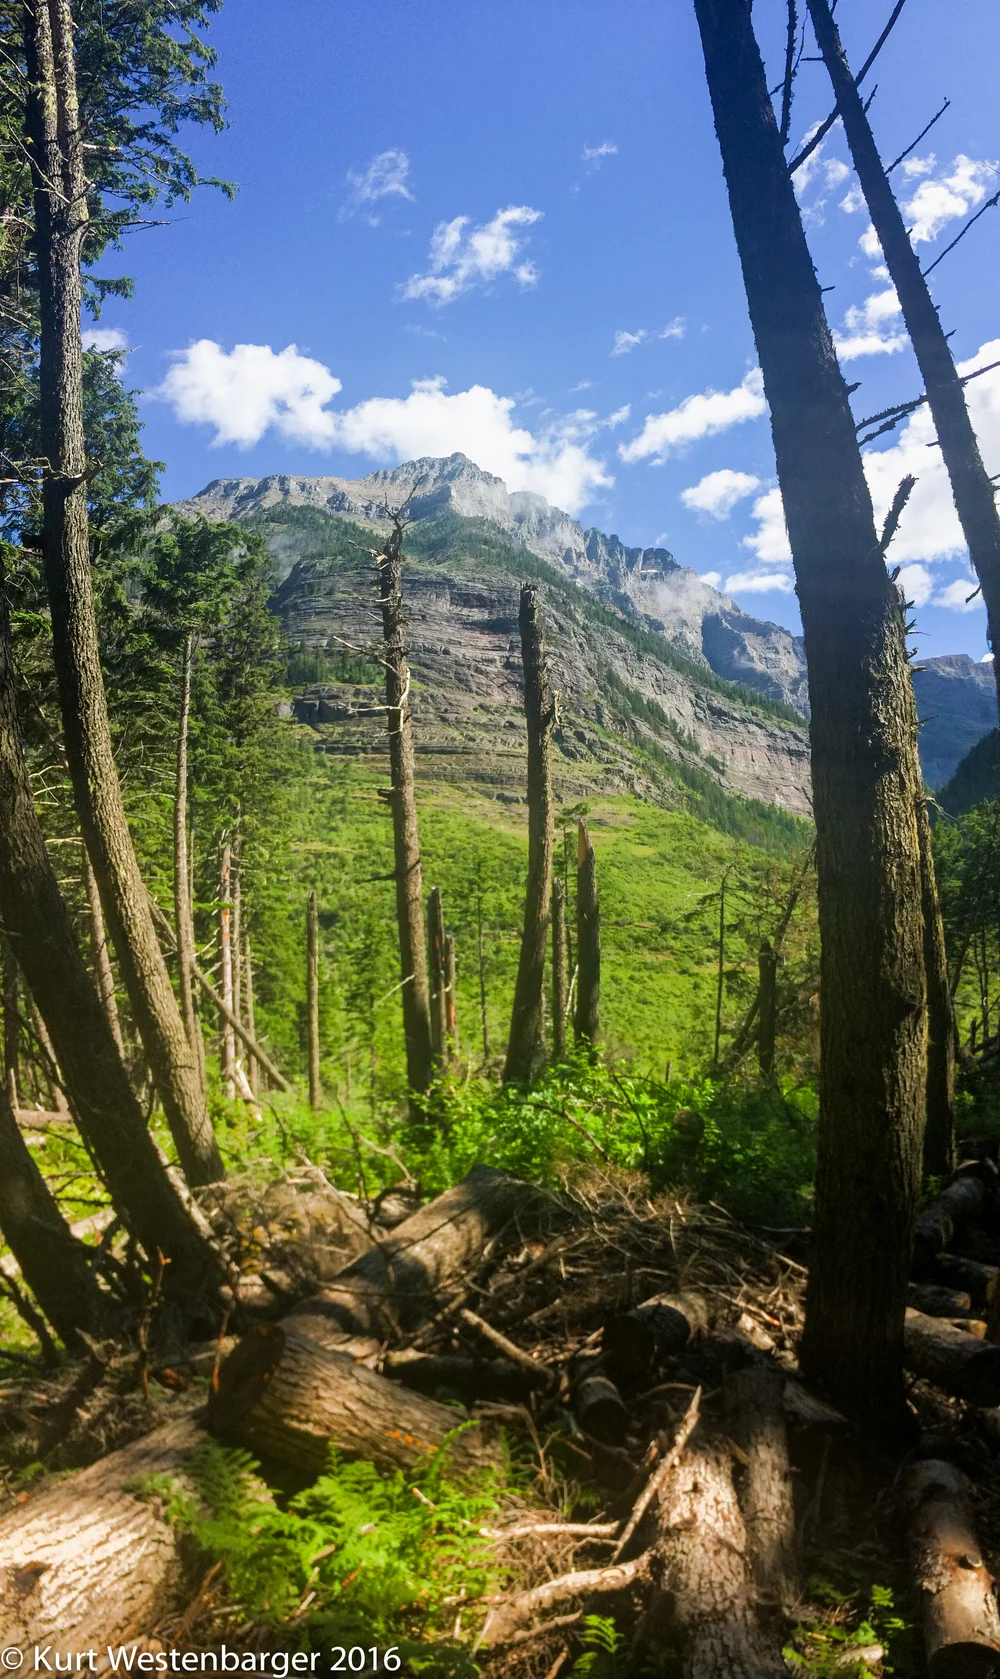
(470, 1378)
(980, 1282)
(755, 1417)
(632, 1342)
(936, 1301)
(286, 1398)
(600, 1410)
(951, 1358)
(387, 1290)
(704, 1589)
(86, 1562)
(938, 1223)
(961, 1623)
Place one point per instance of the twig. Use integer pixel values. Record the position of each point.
(527, 1530)
(898, 160)
(545, 1376)
(989, 205)
(657, 1479)
(503, 1624)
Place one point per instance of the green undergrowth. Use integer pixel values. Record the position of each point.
(359, 1558)
(748, 1146)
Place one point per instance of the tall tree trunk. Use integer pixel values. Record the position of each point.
(253, 1074)
(236, 936)
(406, 838)
(312, 999)
(11, 1024)
(526, 1043)
(100, 956)
(720, 970)
(451, 995)
(559, 976)
(484, 1023)
(60, 200)
(106, 1109)
(227, 1042)
(864, 769)
(971, 486)
(587, 1019)
(53, 1263)
(767, 968)
(47, 1062)
(183, 906)
(436, 977)
(939, 1136)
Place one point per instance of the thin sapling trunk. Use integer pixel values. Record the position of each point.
(526, 1043)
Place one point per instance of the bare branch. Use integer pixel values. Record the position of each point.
(825, 126)
(920, 136)
(990, 202)
(895, 512)
(786, 91)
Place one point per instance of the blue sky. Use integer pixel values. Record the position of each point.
(503, 229)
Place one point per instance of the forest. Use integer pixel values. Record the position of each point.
(482, 1189)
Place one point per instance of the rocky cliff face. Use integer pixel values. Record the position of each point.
(646, 584)
(957, 706)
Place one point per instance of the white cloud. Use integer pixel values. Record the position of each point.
(770, 540)
(105, 338)
(619, 416)
(956, 597)
(385, 177)
(939, 201)
(697, 416)
(718, 492)
(712, 577)
(853, 201)
(987, 659)
(866, 330)
(916, 583)
(253, 390)
(915, 168)
(759, 583)
(250, 390)
(461, 258)
(626, 341)
(595, 155)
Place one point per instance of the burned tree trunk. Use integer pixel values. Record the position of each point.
(183, 910)
(961, 1624)
(587, 1016)
(971, 485)
(55, 149)
(864, 768)
(767, 1008)
(939, 1136)
(526, 1042)
(53, 1263)
(406, 838)
(283, 1396)
(560, 979)
(437, 978)
(105, 1107)
(312, 999)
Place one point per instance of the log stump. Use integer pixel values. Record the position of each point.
(961, 1623)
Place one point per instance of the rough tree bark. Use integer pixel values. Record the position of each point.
(183, 908)
(587, 1015)
(753, 1399)
(436, 976)
(939, 1135)
(864, 768)
(284, 1397)
(253, 1076)
(11, 1022)
(103, 1102)
(767, 1008)
(560, 978)
(406, 838)
(972, 488)
(526, 1042)
(100, 956)
(53, 1263)
(312, 999)
(55, 148)
(227, 1040)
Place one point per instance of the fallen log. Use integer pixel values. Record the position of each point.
(951, 1358)
(935, 1301)
(753, 1399)
(389, 1289)
(470, 1378)
(88, 1560)
(600, 1410)
(961, 1623)
(287, 1399)
(704, 1588)
(981, 1282)
(964, 1200)
(632, 1342)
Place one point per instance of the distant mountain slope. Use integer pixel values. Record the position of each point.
(957, 706)
(975, 779)
(646, 584)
